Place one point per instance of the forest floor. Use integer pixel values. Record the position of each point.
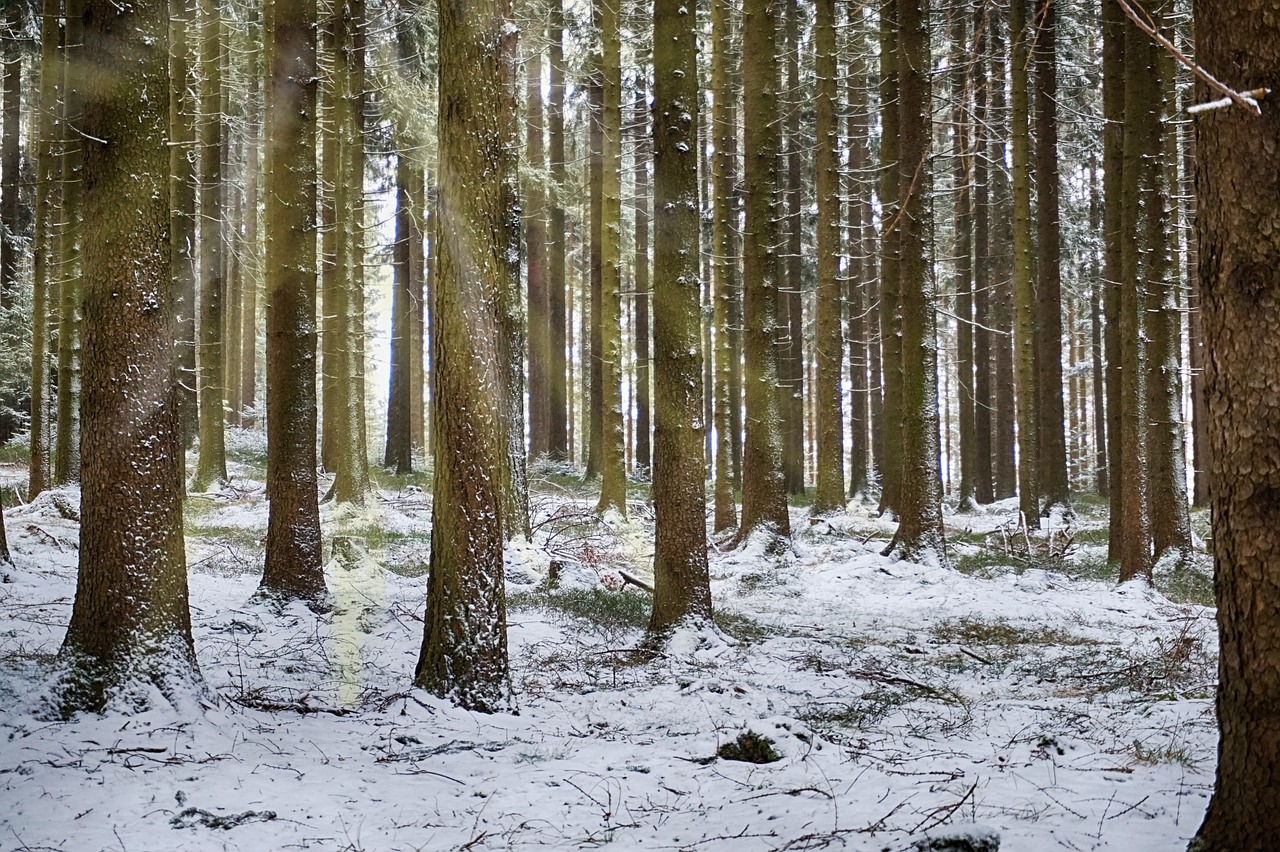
(1018, 693)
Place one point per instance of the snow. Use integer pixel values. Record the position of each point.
(1040, 705)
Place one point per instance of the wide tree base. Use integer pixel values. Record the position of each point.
(161, 677)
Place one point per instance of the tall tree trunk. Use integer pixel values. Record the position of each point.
(42, 248)
(1051, 473)
(557, 283)
(331, 288)
(1140, 98)
(536, 254)
(1195, 324)
(890, 236)
(211, 464)
(129, 639)
(293, 569)
(1023, 290)
(1114, 31)
(859, 249)
(398, 453)
(1101, 433)
(592, 354)
(1001, 258)
(464, 646)
(790, 310)
(251, 250)
(613, 481)
(963, 156)
(983, 400)
(919, 536)
(10, 160)
(724, 219)
(830, 432)
(643, 453)
(1239, 256)
(682, 588)
(764, 497)
(66, 455)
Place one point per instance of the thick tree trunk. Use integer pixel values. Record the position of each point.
(890, 283)
(764, 497)
(464, 647)
(293, 569)
(1239, 254)
(536, 253)
(682, 589)
(557, 283)
(130, 632)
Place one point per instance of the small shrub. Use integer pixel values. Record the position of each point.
(749, 747)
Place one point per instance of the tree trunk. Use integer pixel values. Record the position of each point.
(593, 399)
(1239, 256)
(682, 589)
(66, 455)
(10, 160)
(964, 279)
(1023, 290)
(983, 399)
(130, 633)
(723, 221)
(557, 283)
(791, 333)
(1113, 163)
(764, 497)
(211, 464)
(919, 536)
(643, 454)
(464, 647)
(293, 568)
(829, 495)
(859, 248)
(536, 253)
(252, 264)
(398, 453)
(890, 284)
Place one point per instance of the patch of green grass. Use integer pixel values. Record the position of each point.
(1188, 581)
(1167, 753)
(1092, 566)
(1000, 633)
(749, 747)
(986, 564)
(605, 608)
(236, 537)
(1092, 535)
(741, 627)
(15, 452)
(389, 481)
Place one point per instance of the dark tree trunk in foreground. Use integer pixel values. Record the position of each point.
(764, 496)
(1239, 248)
(919, 536)
(293, 561)
(130, 631)
(682, 589)
(464, 646)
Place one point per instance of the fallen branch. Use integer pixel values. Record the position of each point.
(944, 812)
(628, 579)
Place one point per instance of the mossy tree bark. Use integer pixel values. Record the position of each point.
(464, 649)
(764, 496)
(293, 555)
(130, 634)
(1238, 232)
(682, 588)
(829, 495)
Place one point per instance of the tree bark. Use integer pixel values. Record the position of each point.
(10, 160)
(557, 283)
(66, 451)
(1113, 163)
(1238, 234)
(724, 217)
(983, 399)
(129, 639)
(536, 253)
(1023, 288)
(643, 458)
(890, 282)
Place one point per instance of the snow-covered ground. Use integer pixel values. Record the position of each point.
(1043, 705)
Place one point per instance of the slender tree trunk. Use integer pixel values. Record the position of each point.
(130, 633)
(613, 482)
(398, 453)
(1113, 163)
(293, 569)
(764, 497)
(983, 399)
(682, 589)
(890, 292)
(790, 309)
(1023, 290)
(251, 258)
(211, 464)
(961, 81)
(1195, 326)
(722, 224)
(536, 254)
(10, 160)
(1001, 258)
(643, 453)
(1239, 274)
(66, 455)
(1051, 473)
(1100, 432)
(860, 264)
(830, 422)
(557, 283)
(464, 647)
(331, 289)
(593, 354)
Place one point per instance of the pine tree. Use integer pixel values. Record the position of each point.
(10, 158)
(724, 220)
(1023, 285)
(558, 422)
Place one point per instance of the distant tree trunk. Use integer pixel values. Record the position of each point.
(1001, 259)
(764, 496)
(682, 588)
(1140, 99)
(1113, 70)
(613, 481)
(983, 399)
(1239, 257)
(130, 633)
(1051, 473)
(331, 288)
(464, 647)
(790, 310)
(66, 455)
(860, 248)
(10, 160)
(1195, 327)
(919, 536)
(733, 285)
(42, 247)
(890, 293)
(1023, 290)
(557, 283)
(251, 255)
(643, 453)
(398, 453)
(211, 465)
(536, 253)
(293, 558)
(723, 222)
(590, 343)
(961, 80)
(1100, 432)
(829, 494)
